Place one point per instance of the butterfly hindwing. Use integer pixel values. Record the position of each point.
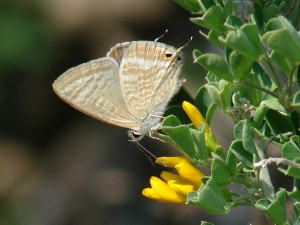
(94, 89)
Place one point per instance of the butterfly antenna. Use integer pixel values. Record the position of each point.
(161, 36)
(185, 44)
(147, 153)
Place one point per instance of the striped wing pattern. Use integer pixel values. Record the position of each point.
(130, 87)
(94, 89)
(149, 79)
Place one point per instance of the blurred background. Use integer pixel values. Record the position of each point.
(57, 165)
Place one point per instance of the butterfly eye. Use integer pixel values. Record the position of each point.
(133, 135)
(179, 58)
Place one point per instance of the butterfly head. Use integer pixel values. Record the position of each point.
(135, 135)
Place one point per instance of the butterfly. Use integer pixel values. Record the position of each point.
(130, 87)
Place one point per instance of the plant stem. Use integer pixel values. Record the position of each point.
(290, 81)
(260, 88)
(278, 161)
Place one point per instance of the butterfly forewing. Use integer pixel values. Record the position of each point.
(94, 89)
(145, 69)
(169, 84)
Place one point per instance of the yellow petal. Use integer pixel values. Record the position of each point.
(184, 168)
(150, 193)
(161, 191)
(189, 172)
(169, 161)
(177, 183)
(195, 115)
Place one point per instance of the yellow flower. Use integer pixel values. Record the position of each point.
(161, 191)
(196, 117)
(173, 188)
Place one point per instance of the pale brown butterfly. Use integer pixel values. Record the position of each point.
(130, 87)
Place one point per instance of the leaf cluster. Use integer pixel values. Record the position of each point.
(256, 82)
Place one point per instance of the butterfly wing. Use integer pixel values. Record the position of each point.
(94, 89)
(149, 77)
(117, 52)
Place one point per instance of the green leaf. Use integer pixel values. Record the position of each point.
(296, 211)
(247, 139)
(209, 198)
(246, 41)
(264, 180)
(228, 8)
(189, 141)
(295, 194)
(213, 19)
(295, 120)
(283, 38)
(214, 93)
(220, 173)
(210, 112)
(275, 24)
(190, 5)
(258, 14)
(238, 130)
(274, 104)
(171, 121)
(296, 101)
(283, 62)
(206, 4)
(264, 80)
(213, 37)
(275, 210)
(239, 65)
(266, 183)
(205, 104)
(272, 10)
(233, 22)
(196, 54)
(182, 139)
(212, 78)
(292, 171)
(247, 91)
(259, 115)
(242, 155)
(291, 149)
(215, 64)
(231, 163)
(201, 152)
(220, 93)
(275, 121)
